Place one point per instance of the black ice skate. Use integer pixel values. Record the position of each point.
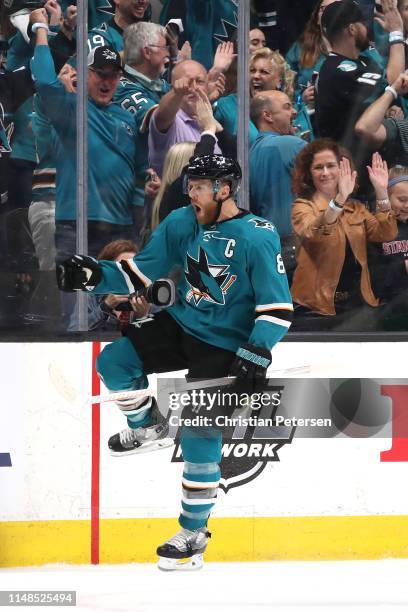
(153, 436)
(184, 551)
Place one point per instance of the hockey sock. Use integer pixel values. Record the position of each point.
(138, 414)
(199, 493)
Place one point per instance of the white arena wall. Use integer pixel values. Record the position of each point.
(63, 498)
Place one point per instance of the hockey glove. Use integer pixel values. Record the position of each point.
(249, 367)
(78, 273)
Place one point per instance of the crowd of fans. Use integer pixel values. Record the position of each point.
(328, 118)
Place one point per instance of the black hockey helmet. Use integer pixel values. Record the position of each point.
(216, 168)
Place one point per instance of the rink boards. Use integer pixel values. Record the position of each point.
(65, 499)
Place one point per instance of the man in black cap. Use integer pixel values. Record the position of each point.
(348, 83)
(113, 146)
(104, 72)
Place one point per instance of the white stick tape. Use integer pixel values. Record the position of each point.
(141, 393)
(119, 395)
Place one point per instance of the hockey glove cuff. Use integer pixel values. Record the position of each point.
(79, 273)
(251, 362)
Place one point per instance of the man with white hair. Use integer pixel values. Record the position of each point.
(146, 55)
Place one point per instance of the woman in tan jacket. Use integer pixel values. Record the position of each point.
(332, 272)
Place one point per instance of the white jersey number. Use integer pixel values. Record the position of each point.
(280, 266)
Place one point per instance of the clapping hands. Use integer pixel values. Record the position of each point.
(378, 174)
(347, 181)
(204, 114)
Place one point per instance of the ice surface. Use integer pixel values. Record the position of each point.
(356, 586)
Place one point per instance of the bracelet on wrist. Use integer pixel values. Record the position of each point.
(392, 91)
(36, 26)
(335, 206)
(383, 205)
(396, 37)
(208, 133)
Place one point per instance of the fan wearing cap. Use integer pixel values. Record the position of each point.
(104, 72)
(347, 83)
(113, 151)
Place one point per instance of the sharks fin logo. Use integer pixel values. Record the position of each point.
(209, 282)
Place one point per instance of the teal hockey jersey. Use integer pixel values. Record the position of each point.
(113, 152)
(233, 289)
(100, 10)
(206, 24)
(140, 96)
(107, 33)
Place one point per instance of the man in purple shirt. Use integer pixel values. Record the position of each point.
(174, 120)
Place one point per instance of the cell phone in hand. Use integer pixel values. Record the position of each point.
(306, 135)
(151, 176)
(175, 27)
(378, 7)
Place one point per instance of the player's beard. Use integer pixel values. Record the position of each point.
(362, 42)
(205, 214)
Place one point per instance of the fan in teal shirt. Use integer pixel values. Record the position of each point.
(139, 95)
(206, 23)
(107, 33)
(112, 154)
(271, 160)
(226, 112)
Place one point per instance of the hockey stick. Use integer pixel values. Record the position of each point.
(141, 393)
(119, 395)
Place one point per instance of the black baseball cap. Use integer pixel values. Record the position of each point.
(100, 57)
(339, 15)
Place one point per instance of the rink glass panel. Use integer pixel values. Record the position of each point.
(31, 306)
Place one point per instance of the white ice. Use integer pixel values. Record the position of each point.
(356, 586)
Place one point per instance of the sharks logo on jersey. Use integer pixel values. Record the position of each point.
(6, 132)
(209, 282)
(228, 28)
(262, 223)
(105, 7)
(206, 24)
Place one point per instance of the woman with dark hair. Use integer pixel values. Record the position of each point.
(307, 54)
(332, 273)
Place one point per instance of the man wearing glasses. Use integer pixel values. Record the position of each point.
(146, 55)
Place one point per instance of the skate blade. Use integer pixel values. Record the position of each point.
(149, 447)
(193, 563)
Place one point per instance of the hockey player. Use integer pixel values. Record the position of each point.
(233, 306)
